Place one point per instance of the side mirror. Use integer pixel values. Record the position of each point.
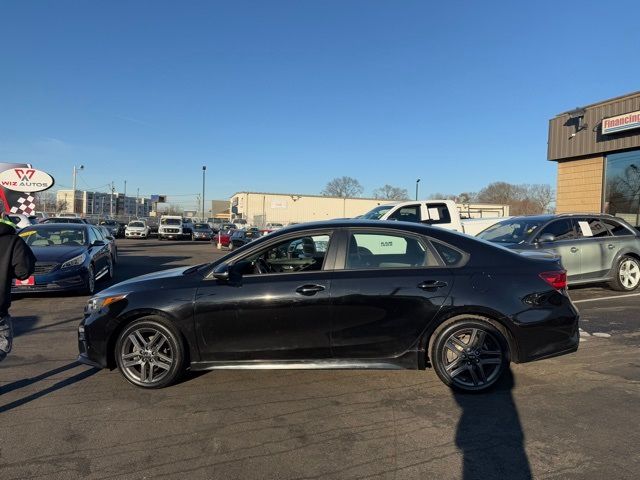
(221, 272)
(98, 243)
(546, 238)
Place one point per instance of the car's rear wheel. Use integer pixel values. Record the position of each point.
(469, 354)
(150, 354)
(627, 276)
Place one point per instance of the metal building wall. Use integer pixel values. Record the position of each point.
(590, 141)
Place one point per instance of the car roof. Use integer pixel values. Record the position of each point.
(52, 226)
(550, 216)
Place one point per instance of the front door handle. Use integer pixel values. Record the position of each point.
(432, 285)
(309, 290)
(610, 247)
(574, 249)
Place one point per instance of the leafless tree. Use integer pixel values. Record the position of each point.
(522, 199)
(343, 187)
(389, 192)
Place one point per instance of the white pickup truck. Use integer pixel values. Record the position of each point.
(440, 213)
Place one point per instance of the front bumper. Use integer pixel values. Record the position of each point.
(135, 235)
(59, 280)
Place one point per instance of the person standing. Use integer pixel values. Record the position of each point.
(16, 261)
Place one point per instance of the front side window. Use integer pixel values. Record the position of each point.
(561, 230)
(410, 213)
(386, 250)
(299, 254)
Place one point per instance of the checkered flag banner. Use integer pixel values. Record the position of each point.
(26, 205)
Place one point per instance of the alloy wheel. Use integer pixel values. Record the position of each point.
(91, 280)
(472, 358)
(146, 356)
(629, 274)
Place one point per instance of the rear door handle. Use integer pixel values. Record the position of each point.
(432, 285)
(309, 290)
(574, 249)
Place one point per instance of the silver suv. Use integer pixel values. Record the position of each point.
(592, 247)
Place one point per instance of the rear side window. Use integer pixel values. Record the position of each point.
(383, 250)
(561, 229)
(617, 229)
(449, 255)
(591, 227)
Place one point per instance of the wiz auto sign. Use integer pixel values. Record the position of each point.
(25, 180)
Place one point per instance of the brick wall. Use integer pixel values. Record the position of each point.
(580, 185)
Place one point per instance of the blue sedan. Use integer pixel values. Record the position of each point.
(69, 257)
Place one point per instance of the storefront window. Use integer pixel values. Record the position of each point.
(622, 189)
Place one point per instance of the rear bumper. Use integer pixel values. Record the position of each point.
(547, 332)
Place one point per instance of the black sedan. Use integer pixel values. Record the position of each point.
(69, 257)
(242, 237)
(339, 294)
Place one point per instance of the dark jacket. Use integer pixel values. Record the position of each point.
(16, 261)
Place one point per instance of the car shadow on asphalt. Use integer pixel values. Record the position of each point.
(25, 382)
(490, 435)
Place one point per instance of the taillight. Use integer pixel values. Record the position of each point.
(557, 279)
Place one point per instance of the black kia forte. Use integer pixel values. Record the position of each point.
(339, 294)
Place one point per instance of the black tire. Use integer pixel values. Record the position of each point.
(150, 368)
(627, 274)
(90, 284)
(110, 270)
(469, 354)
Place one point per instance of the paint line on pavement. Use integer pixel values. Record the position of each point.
(606, 298)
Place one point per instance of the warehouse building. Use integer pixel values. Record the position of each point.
(260, 208)
(597, 148)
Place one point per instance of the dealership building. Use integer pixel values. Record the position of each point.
(597, 148)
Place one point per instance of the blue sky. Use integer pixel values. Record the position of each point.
(285, 95)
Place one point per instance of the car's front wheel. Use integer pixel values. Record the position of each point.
(469, 354)
(149, 353)
(627, 274)
(90, 281)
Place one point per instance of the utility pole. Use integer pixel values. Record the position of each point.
(204, 169)
(417, 182)
(73, 192)
(111, 200)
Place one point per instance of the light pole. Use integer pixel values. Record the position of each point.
(417, 182)
(73, 192)
(204, 169)
(137, 200)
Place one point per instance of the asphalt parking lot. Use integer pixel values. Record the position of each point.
(570, 417)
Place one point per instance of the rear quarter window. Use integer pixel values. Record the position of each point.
(450, 256)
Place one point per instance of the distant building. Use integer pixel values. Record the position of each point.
(103, 204)
(261, 208)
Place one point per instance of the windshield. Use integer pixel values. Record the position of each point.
(377, 213)
(136, 224)
(517, 230)
(170, 221)
(201, 226)
(54, 237)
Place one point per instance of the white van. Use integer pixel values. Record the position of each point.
(170, 227)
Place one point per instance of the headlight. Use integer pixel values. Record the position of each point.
(96, 303)
(75, 261)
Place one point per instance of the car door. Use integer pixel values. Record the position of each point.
(388, 285)
(594, 241)
(565, 245)
(275, 306)
(99, 253)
